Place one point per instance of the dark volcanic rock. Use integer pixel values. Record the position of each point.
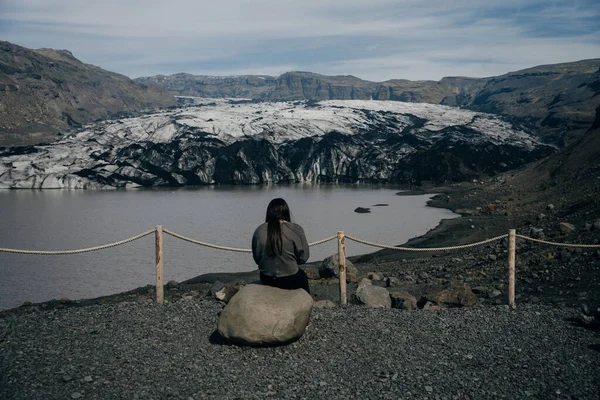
(362, 210)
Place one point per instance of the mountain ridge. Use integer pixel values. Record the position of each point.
(558, 100)
(47, 91)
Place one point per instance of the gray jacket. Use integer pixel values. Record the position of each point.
(293, 245)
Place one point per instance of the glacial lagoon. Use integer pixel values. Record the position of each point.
(223, 215)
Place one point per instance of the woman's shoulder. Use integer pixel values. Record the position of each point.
(262, 227)
(293, 227)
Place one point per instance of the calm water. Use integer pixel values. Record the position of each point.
(62, 219)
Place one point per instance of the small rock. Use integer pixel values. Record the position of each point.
(403, 300)
(67, 378)
(362, 210)
(596, 225)
(585, 309)
(329, 268)
(494, 293)
(550, 207)
(566, 227)
(324, 304)
(536, 233)
(541, 216)
(172, 285)
(76, 395)
(227, 292)
(480, 289)
(492, 257)
(216, 286)
(372, 296)
(392, 281)
(429, 389)
(375, 276)
(88, 379)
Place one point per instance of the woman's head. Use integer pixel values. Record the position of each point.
(278, 210)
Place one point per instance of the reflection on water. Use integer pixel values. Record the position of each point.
(224, 215)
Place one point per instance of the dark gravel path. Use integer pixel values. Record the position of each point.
(131, 350)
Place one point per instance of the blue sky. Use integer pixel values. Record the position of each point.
(371, 39)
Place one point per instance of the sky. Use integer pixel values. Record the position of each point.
(375, 40)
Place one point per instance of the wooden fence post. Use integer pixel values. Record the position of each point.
(159, 264)
(511, 267)
(342, 266)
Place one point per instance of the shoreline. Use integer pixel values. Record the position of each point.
(203, 282)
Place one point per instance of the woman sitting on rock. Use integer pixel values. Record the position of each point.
(278, 247)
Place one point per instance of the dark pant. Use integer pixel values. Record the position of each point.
(297, 281)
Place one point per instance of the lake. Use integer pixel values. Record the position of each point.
(223, 215)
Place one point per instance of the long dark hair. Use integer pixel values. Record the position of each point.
(277, 210)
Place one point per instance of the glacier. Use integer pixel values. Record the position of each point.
(227, 141)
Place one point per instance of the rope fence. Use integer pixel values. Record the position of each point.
(158, 231)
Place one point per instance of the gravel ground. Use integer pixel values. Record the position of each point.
(131, 350)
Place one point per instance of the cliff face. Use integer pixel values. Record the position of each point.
(232, 142)
(46, 91)
(558, 101)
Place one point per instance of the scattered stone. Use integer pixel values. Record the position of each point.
(216, 286)
(227, 292)
(375, 276)
(596, 225)
(76, 395)
(494, 293)
(403, 300)
(566, 227)
(260, 315)
(550, 207)
(457, 295)
(480, 290)
(380, 205)
(88, 379)
(541, 216)
(172, 285)
(392, 281)
(329, 268)
(492, 257)
(324, 304)
(372, 296)
(67, 378)
(536, 233)
(362, 210)
(429, 306)
(365, 281)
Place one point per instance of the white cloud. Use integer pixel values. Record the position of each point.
(372, 39)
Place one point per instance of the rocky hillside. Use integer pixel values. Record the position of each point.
(233, 142)
(45, 91)
(559, 100)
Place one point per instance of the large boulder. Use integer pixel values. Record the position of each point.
(457, 295)
(260, 315)
(372, 296)
(330, 269)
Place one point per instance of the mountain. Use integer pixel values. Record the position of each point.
(245, 142)
(557, 100)
(46, 91)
